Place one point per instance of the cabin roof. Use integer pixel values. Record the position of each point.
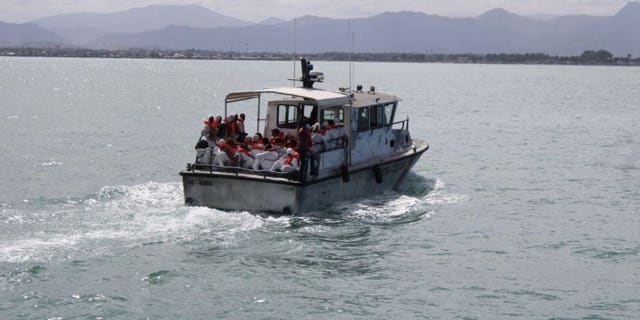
(321, 97)
(367, 98)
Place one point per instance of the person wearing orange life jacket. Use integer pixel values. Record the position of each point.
(256, 145)
(235, 123)
(231, 128)
(246, 159)
(289, 163)
(276, 134)
(210, 130)
(292, 163)
(228, 154)
(210, 122)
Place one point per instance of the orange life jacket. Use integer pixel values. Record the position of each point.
(231, 130)
(212, 124)
(229, 150)
(294, 155)
(243, 150)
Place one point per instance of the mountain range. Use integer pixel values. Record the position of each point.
(196, 27)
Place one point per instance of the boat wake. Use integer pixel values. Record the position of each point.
(418, 197)
(112, 221)
(121, 218)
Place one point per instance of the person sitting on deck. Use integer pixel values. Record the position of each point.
(289, 163)
(228, 155)
(203, 152)
(256, 145)
(276, 134)
(246, 159)
(264, 160)
(278, 144)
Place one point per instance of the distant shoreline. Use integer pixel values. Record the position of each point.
(601, 57)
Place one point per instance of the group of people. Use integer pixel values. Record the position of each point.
(225, 143)
(232, 127)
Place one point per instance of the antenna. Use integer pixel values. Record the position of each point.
(350, 58)
(353, 63)
(295, 24)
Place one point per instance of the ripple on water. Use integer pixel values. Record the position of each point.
(608, 253)
(159, 277)
(23, 274)
(529, 293)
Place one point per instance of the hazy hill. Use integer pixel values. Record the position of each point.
(271, 21)
(186, 27)
(28, 34)
(622, 32)
(82, 28)
(494, 31)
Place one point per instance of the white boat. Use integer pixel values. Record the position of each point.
(367, 153)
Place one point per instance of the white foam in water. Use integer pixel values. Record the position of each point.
(34, 249)
(396, 206)
(390, 205)
(439, 197)
(51, 162)
(118, 218)
(121, 217)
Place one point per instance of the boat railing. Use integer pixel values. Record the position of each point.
(404, 124)
(211, 168)
(401, 133)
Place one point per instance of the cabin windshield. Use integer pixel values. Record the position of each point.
(373, 117)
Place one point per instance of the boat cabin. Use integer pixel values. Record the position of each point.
(362, 127)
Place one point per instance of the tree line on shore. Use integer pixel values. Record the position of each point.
(589, 57)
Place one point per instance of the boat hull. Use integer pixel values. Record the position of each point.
(259, 194)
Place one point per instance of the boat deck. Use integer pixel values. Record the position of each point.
(418, 146)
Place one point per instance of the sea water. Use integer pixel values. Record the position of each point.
(526, 206)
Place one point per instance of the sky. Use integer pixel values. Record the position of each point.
(18, 11)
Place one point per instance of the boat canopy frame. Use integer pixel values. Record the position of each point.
(318, 97)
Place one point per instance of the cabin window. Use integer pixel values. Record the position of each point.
(363, 119)
(309, 114)
(290, 116)
(389, 111)
(287, 116)
(337, 115)
(377, 117)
